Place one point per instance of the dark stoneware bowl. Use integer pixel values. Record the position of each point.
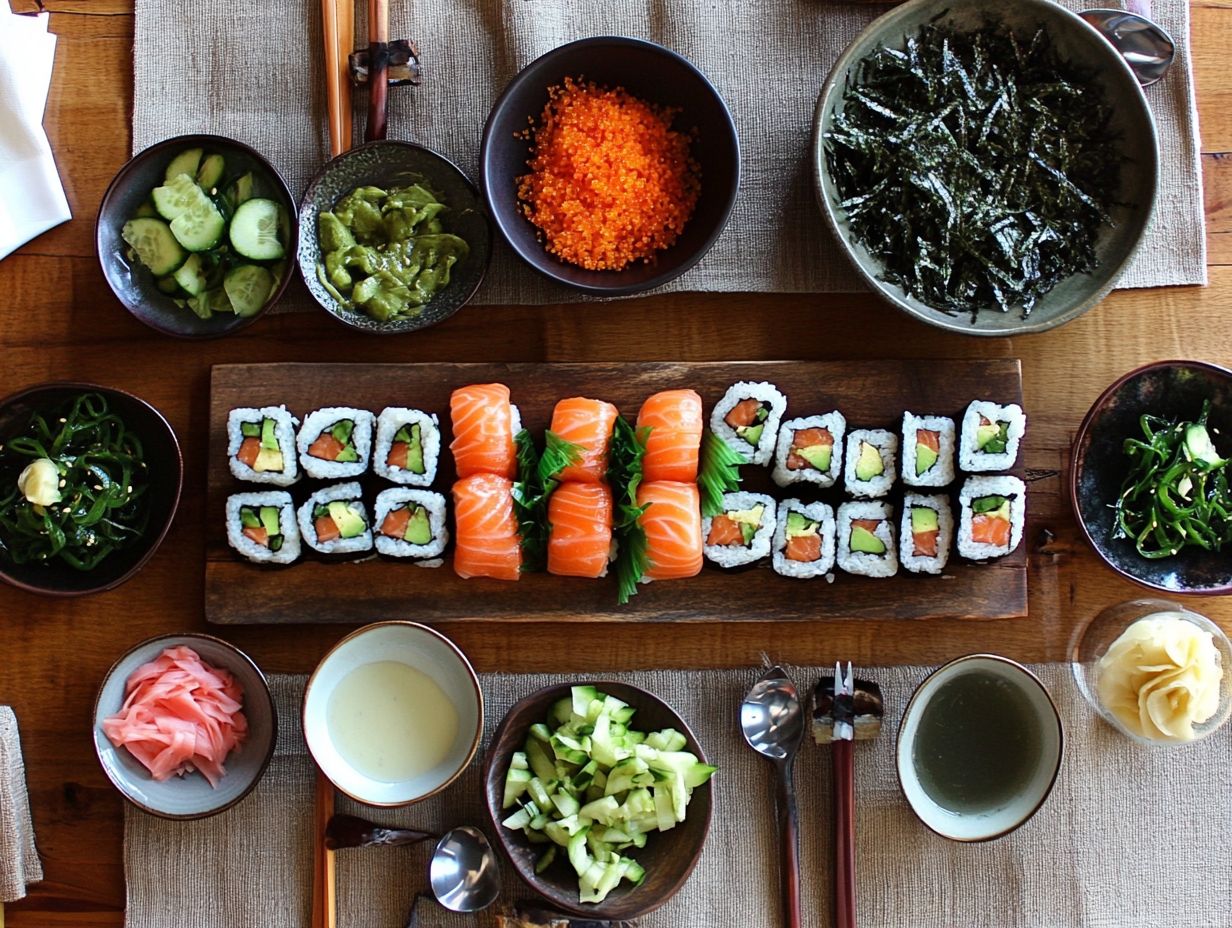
(1098, 466)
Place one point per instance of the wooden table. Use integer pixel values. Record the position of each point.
(61, 321)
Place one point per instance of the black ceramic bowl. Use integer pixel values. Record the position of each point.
(166, 474)
(652, 73)
(1098, 466)
(133, 284)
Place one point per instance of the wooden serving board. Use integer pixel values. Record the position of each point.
(869, 394)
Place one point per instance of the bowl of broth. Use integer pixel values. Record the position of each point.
(393, 713)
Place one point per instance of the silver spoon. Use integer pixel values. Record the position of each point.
(1145, 46)
(464, 873)
(773, 725)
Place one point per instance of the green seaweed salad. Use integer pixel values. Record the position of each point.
(72, 486)
(978, 168)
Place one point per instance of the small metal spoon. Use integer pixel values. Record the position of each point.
(1145, 46)
(773, 725)
(464, 872)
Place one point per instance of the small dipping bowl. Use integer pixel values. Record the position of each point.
(423, 649)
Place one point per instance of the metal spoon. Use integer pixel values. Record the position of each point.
(1145, 46)
(773, 725)
(464, 873)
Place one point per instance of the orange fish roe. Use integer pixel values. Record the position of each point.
(610, 181)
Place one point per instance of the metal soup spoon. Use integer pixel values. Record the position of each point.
(773, 725)
(1145, 46)
(464, 873)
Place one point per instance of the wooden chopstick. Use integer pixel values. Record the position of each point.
(338, 22)
(324, 881)
(378, 69)
(346, 45)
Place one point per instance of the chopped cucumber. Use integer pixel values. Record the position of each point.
(168, 284)
(255, 230)
(176, 197)
(200, 227)
(248, 287)
(240, 192)
(209, 175)
(186, 162)
(154, 245)
(191, 276)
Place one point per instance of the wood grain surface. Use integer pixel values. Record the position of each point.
(60, 320)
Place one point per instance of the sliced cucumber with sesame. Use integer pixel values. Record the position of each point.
(176, 196)
(248, 287)
(154, 245)
(209, 175)
(186, 162)
(255, 230)
(200, 227)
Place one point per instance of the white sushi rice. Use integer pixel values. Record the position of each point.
(284, 431)
(832, 422)
(758, 547)
(347, 492)
(763, 392)
(821, 513)
(976, 487)
(290, 550)
(862, 563)
(942, 472)
(886, 443)
(317, 422)
(970, 458)
(921, 564)
(388, 423)
(434, 503)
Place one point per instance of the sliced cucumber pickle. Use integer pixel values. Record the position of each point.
(255, 230)
(186, 162)
(209, 175)
(200, 227)
(175, 197)
(154, 245)
(191, 275)
(248, 287)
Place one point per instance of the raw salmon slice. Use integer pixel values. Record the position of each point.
(990, 530)
(483, 428)
(588, 424)
(804, 548)
(580, 544)
(487, 542)
(673, 526)
(675, 421)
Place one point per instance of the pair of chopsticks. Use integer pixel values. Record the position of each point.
(338, 19)
(324, 877)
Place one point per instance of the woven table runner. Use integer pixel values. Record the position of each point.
(1130, 836)
(253, 72)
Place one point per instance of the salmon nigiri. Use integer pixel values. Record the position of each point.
(673, 526)
(675, 421)
(588, 424)
(484, 423)
(580, 544)
(487, 530)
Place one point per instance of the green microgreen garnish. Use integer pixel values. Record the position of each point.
(719, 473)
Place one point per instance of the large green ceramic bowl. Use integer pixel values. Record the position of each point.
(1132, 122)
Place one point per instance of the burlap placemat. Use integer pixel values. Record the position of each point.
(19, 860)
(1130, 836)
(253, 72)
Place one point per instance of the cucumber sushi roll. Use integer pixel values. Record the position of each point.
(261, 445)
(993, 512)
(335, 442)
(871, 464)
(334, 520)
(928, 450)
(261, 527)
(866, 540)
(411, 523)
(926, 533)
(747, 419)
(990, 436)
(741, 533)
(408, 446)
(803, 539)
(810, 450)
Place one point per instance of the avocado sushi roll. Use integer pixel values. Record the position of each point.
(261, 527)
(926, 533)
(990, 436)
(408, 446)
(741, 533)
(871, 465)
(928, 450)
(992, 515)
(334, 520)
(261, 445)
(810, 450)
(866, 545)
(335, 442)
(747, 419)
(803, 539)
(411, 523)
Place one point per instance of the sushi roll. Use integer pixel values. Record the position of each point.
(672, 521)
(928, 450)
(486, 540)
(866, 540)
(810, 450)
(335, 442)
(408, 446)
(925, 533)
(803, 539)
(871, 466)
(261, 527)
(484, 424)
(990, 436)
(411, 523)
(580, 542)
(747, 419)
(261, 445)
(741, 533)
(993, 511)
(674, 418)
(588, 424)
(334, 520)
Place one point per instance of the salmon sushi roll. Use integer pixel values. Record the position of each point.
(993, 511)
(580, 543)
(673, 525)
(484, 423)
(674, 418)
(487, 542)
(588, 424)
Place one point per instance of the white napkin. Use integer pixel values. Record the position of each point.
(31, 195)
